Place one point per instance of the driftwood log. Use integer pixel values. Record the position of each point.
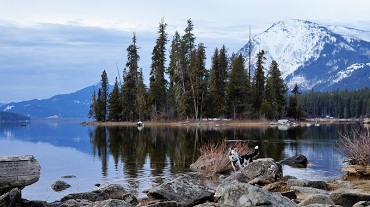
(18, 171)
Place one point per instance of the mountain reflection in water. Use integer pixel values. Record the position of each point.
(140, 159)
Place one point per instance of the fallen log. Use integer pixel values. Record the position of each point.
(18, 171)
(357, 169)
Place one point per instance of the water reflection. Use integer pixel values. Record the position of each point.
(140, 159)
(163, 151)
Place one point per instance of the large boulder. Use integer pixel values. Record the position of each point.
(348, 199)
(317, 199)
(264, 170)
(112, 191)
(185, 190)
(303, 193)
(298, 161)
(18, 172)
(235, 193)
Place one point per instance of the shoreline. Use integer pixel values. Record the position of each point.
(220, 123)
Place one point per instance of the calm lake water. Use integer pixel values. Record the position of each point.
(141, 159)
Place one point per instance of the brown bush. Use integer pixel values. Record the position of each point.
(217, 155)
(356, 147)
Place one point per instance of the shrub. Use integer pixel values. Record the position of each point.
(217, 154)
(356, 147)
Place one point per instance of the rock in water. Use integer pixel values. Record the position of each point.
(18, 171)
(298, 161)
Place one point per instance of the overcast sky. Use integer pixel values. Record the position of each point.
(50, 47)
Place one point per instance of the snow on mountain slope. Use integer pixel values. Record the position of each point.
(313, 55)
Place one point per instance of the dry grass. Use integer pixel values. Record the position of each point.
(223, 148)
(356, 147)
(216, 154)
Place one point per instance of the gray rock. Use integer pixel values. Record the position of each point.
(184, 189)
(28, 203)
(112, 191)
(211, 204)
(307, 183)
(163, 204)
(18, 171)
(348, 199)
(317, 199)
(76, 203)
(238, 194)
(261, 169)
(362, 204)
(60, 185)
(304, 192)
(11, 198)
(299, 161)
(112, 203)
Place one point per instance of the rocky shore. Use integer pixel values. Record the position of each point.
(261, 183)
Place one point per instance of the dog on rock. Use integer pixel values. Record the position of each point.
(241, 161)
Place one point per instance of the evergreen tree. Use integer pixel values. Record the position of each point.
(130, 83)
(258, 84)
(275, 91)
(187, 47)
(104, 95)
(237, 88)
(174, 78)
(141, 97)
(217, 83)
(157, 92)
(115, 105)
(198, 79)
(93, 106)
(295, 109)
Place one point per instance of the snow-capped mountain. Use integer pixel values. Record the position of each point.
(315, 56)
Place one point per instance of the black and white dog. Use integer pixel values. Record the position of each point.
(241, 161)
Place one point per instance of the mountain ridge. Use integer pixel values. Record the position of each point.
(313, 55)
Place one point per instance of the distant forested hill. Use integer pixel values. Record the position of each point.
(8, 117)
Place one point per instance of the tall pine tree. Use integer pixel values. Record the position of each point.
(258, 83)
(115, 105)
(217, 83)
(275, 91)
(130, 83)
(237, 88)
(174, 79)
(157, 92)
(198, 79)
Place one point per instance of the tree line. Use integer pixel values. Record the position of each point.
(339, 104)
(226, 90)
(191, 91)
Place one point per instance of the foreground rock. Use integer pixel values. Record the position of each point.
(184, 190)
(260, 171)
(18, 172)
(236, 193)
(348, 199)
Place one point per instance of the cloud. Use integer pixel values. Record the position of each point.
(42, 61)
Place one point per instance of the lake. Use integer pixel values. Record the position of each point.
(139, 159)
